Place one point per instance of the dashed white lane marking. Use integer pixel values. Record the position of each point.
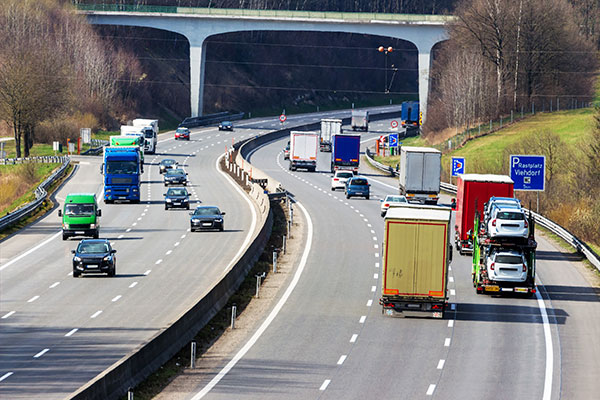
(373, 288)
(447, 342)
(450, 323)
(34, 298)
(430, 390)
(353, 338)
(94, 315)
(139, 218)
(168, 252)
(341, 360)
(134, 224)
(6, 375)
(116, 298)
(55, 284)
(133, 284)
(369, 225)
(112, 243)
(372, 231)
(325, 384)
(176, 244)
(369, 303)
(375, 246)
(158, 261)
(451, 279)
(8, 314)
(375, 276)
(441, 364)
(183, 236)
(128, 230)
(147, 272)
(120, 237)
(377, 255)
(71, 332)
(452, 292)
(41, 353)
(361, 215)
(376, 265)
(375, 238)
(362, 319)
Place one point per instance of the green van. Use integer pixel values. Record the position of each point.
(80, 215)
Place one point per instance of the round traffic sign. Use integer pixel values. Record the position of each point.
(394, 124)
(282, 118)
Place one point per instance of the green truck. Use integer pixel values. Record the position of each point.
(130, 141)
(416, 255)
(80, 215)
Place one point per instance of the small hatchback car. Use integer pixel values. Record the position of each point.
(166, 165)
(508, 223)
(226, 126)
(206, 217)
(338, 180)
(392, 200)
(177, 197)
(507, 266)
(94, 256)
(182, 133)
(357, 186)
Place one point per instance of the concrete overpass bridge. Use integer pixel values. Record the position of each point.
(198, 24)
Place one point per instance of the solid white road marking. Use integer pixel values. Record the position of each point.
(116, 298)
(325, 384)
(549, 348)
(431, 389)
(28, 252)
(353, 338)
(8, 314)
(41, 353)
(55, 284)
(94, 315)
(133, 284)
(447, 342)
(341, 360)
(362, 319)
(441, 364)
(6, 375)
(71, 332)
(34, 298)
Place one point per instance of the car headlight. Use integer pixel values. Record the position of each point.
(65, 226)
(168, 200)
(92, 226)
(219, 220)
(107, 258)
(76, 259)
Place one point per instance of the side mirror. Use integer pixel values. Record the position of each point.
(113, 251)
(164, 194)
(73, 251)
(381, 201)
(99, 212)
(222, 212)
(60, 213)
(102, 168)
(191, 213)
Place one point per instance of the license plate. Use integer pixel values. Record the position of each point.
(492, 288)
(91, 266)
(79, 232)
(507, 289)
(389, 311)
(176, 204)
(521, 290)
(122, 197)
(206, 224)
(437, 314)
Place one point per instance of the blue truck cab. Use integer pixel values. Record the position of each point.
(410, 114)
(122, 173)
(345, 152)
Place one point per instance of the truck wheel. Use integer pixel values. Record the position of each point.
(76, 274)
(109, 201)
(347, 196)
(367, 197)
(65, 237)
(383, 214)
(95, 235)
(333, 189)
(112, 272)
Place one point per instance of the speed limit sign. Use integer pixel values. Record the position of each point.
(394, 124)
(282, 118)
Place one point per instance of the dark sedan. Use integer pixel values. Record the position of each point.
(206, 217)
(177, 197)
(166, 164)
(226, 126)
(94, 256)
(175, 177)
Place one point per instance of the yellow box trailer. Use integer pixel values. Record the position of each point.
(416, 255)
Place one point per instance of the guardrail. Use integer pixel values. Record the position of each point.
(37, 159)
(40, 195)
(97, 146)
(192, 122)
(552, 226)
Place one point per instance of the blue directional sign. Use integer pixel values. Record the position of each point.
(393, 139)
(458, 166)
(528, 172)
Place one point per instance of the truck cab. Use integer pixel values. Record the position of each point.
(80, 215)
(122, 174)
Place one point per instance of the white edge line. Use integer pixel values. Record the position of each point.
(549, 348)
(271, 316)
(28, 252)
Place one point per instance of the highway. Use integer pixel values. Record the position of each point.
(331, 341)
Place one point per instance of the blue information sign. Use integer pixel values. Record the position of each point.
(458, 166)
(393, 139)
(528, 172)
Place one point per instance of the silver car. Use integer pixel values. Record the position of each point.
(507, 266)
(392, 200)
(508, 223)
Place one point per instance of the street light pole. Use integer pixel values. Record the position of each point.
(385, 50)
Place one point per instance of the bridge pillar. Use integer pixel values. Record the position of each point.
(424, 70)
(197, 63)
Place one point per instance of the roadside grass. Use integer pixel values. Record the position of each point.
(19, 183)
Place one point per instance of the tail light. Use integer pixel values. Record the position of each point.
(386, 205)
(526, 224)
(492, 266)
(524, 268)
(493, 222)
(335, 179)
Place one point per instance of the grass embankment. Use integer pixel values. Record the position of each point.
(19, 182)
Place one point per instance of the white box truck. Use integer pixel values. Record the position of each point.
(150, 127)
(329, 127)
(360, 120)
(420, 170)
(303, 150)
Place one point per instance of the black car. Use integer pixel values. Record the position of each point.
(175, 177)
(177, 197)
(226, 126)
(206, 217)
(94, 256)
(166, 164)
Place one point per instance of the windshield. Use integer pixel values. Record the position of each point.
(360, 182)
(149, 134)
(396, 199)
(177, 192)
(508, 259)
(207, 211)
(181, 130)
(91, 248)
(121, 167)
(79, 209)
(176, 172)
(513, 216)
(168, 162)
(344, 175)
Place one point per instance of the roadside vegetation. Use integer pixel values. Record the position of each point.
(19, 182)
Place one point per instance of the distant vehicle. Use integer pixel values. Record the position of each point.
(419, 174)
(166, 164)
(392, 200)
(345, 152)
(360, 120)
(122, 174)
(146, 145)
(182, 133)
(206, 217)
(499, 202)
(177, 197)
(226, 126)
(339, 178)
(329, 127)
(409, 114)
(508, 223)
(94, 256)
(175, 176)
(129, 141)
(357, 186)
(286, 151)
(303, 150)
(80, 215)
(150, 127)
